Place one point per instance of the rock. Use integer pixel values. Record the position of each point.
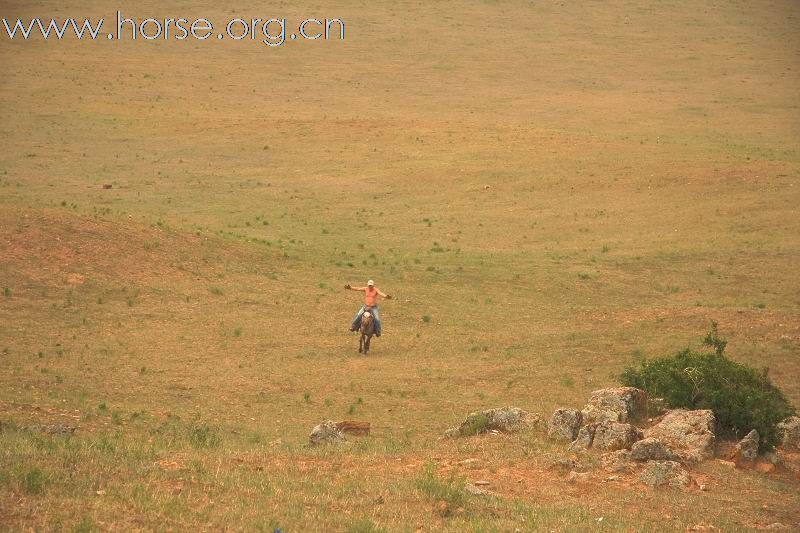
(502, 419)
(578, 477)
(621, 404)
(618, 461)
(790, 431)
(452, 433)
(613, 436)
(326, 433)
(690, 434)
(477, 491)
(660, 473)
(564, 424)
(510, 419)
(584, 439)
(565, 463)
(747, 448)
(59, 429)
(652, 450)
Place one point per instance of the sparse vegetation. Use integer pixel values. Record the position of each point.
(204, 436)
(451, 491)
(33, 481)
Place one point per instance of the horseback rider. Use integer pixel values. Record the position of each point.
(371, 294)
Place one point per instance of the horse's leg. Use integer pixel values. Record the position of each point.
(366, 348)
(361, 343)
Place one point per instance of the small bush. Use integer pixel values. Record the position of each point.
(474, 424)
(741, 397)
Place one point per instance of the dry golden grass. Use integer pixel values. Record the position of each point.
(562, 189)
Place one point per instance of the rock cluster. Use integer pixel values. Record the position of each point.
(606, 423)
(676, 439)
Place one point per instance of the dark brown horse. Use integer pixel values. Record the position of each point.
(367, 331)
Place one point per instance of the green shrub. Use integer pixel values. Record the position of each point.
(741, 397)
(474, 424)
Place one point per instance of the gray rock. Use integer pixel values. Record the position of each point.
(476, 491)
(621, 404)
(660, 473)
(747, 448)
(502, 419)
(652, 450)
(564, 424)
(566, 463)
(613, 436)
(584, 439)
(790, 431)
(578, 477)
(774, 459)
(690, 434)
(618, 462)
(326, 433)
(511, 419)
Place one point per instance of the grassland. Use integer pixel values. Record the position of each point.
(551, 192)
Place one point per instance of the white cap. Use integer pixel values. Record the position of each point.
(370, 283)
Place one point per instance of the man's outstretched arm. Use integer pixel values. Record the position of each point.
(387, 296)
(349, 288)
